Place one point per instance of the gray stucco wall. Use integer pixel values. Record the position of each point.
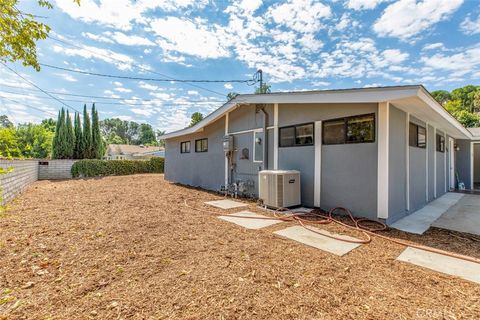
(398, 164)
(349, 171)
(200, 169)
(431, 150)
(418, 177)
(245, 118)
(55, 169)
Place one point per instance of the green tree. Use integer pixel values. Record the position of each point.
(231, 95)
(466, 96)
(264, 88)
(8, 143)
(467, 119)
(69, 137)
(34, 140)
(161, 142)
(77, 128)
(442, 96)
(5, 122)
(147, 135)
(19, 32)
(87, 135)
(60, 143)
(196, 118)
(49, 124)
(97, 142)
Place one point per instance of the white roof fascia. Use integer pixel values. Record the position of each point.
(361, 95)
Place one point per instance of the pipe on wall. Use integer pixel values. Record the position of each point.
(265, 138)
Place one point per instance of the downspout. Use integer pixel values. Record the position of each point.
(265, 138)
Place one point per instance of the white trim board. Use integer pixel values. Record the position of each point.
(383, 159)
(318, 164)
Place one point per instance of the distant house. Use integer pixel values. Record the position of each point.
(132, 152)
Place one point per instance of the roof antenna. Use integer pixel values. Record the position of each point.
(260, 74)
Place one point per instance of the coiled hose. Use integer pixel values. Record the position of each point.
(300, 217)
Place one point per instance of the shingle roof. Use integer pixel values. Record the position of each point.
(130, 149)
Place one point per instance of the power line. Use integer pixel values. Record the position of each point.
(33, 84)
(28, 106)
(138, 66)
(98, 97)
(249, 81)
(184, 102)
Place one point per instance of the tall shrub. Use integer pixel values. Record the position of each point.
(97, 146)
(70, 137)
(59, 146)
(77, 150)
(87, 135)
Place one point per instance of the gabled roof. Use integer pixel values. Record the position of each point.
(400, 94)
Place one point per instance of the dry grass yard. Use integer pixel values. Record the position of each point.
(127, 248)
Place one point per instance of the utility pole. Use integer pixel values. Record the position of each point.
(260, 77)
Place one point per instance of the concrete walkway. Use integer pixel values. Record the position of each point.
(464, 216)
(419, 221)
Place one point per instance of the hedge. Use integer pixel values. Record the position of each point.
(96, 168)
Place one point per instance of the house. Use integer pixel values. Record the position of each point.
(132, 152)
(381, 152)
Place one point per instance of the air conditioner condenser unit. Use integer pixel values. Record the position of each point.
(279, 188)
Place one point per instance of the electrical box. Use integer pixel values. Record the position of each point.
(279, 188)
(227, 143)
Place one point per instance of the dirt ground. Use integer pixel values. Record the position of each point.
(128, 248)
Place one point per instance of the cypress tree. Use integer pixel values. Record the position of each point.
(55, 145)
(87, 135)
(77, 151)
(70, 137)
(96, 136)
(59, 141)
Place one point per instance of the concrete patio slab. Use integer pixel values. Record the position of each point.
(249, 223)
(318, 241)
(419, 221)
(226, 204)
(464, 216)
(438, 262)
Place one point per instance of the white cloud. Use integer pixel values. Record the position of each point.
(407, 18)
(97, 37)
(228, 86)
(144, 112)
(66, 77)
(123, 62)
(363, 4)
(121, 13)
(469, 26)
(433, 46)
(124, 90)
(300, 15)
(460, 64)
(195, 38)
(129, 40)
(192, 92)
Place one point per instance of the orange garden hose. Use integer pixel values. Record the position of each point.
(299, 217)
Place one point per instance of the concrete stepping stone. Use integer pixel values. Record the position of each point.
(226, 204)
(438, 262)
(249, 223)
(310, 238)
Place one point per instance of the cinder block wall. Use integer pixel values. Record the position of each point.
(55, 169)
(24, 173)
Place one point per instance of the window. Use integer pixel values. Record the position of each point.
(356, 129)
(185, 147)
(300, 135)
(201, 145)
(440, 143)
(417, 136)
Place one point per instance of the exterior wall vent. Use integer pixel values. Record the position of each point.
(279, 188)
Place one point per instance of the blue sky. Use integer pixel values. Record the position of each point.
(299, 44)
